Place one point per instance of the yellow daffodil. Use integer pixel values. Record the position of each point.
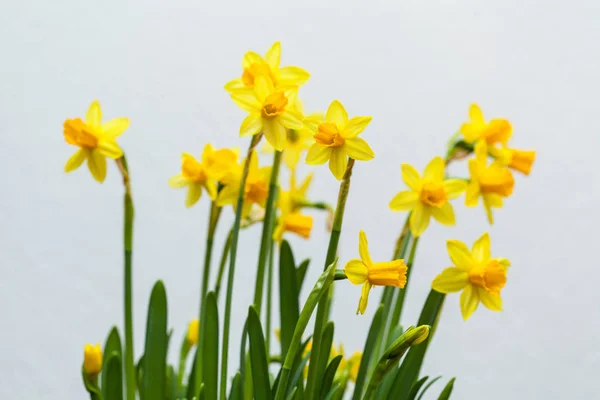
(497, 131)
(428, 196)
(476, 273)
(492, 183)
(254, 65)
(271, 111)
(256, 190)
(337, 139)
(196, 175)
(520, 160)
(96, 141)
(297, 223)
(192, 333)
(92, 359)
(290, 202)
(365, 272)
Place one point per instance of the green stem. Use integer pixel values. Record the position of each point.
(223, 262)
(267, 233)
(130, 377)
(320, 320)
(232, 259)
(269, 299)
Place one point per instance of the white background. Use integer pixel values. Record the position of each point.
(415, 66)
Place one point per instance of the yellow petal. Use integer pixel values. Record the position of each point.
(481, 152)
(404, 201)
(211, 189)
(435, 170)
(481, 249)
(411, 177)
(109, 148)
(97, 165)
(358, 149)
(115, 127)
(292, 76)
(487, 205)
(318, 154)
(444, 214)
(469, 300)
(363, 248)
(76, 160)
(235, 85)
(338, 163)
(364, 298)
(178, 181)
(305, 185)
(228, 195)
(475, 114)
(274, 133)
(251, 125)
(273, 56)
(337, 114)
(419, 219)
(263, 86)
(491, 301)
(94, 114)
(250, 58)
(247, 101)
(454, 187)
(356, 271)
(355, 126)
(450, 280)
(472, 195)
(291, 119)
(312, 123)
(193, 194)
(460, 255)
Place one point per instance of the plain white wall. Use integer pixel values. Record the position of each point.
(414, 66)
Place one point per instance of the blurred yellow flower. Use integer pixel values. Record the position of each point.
(296, 222)
(196, 175)
(491, 183)
(92, 359)
(365, 272)
(271, 111)
(192, 333)
(256, 190)
(428, 196)
(337, 139)
(289, 203)
(476, 273)
(520, 160)
(255, 65)
(349, 365)
(493, 132)
(96, 141)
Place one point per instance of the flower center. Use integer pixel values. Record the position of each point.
(328, 135)
(78, 133)
(256, 192)
(491, 277)
(255, 69)
(193, 170)
(433, 194)
(274, 105)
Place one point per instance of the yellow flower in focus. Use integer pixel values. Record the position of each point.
(256, 190)
(96, 141)
(365, 272)
(92, 359)
(192, 333)
(197, 175)
(493, 132)
(271, 111)
(337, 139)
(476, 273)
(428, 196)
(492, 183)
(254, 65)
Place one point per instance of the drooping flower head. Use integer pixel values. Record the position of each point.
(254, 65)
(271, 111)
(289, 203)
(96, 141)
(476, 273)
(92, 359)
(496, 131)
(192, 333)
(256, 190)
(490, 182)
(365, 272)
(518, 160)
(336, 139)
(196, 175)
(428, 195)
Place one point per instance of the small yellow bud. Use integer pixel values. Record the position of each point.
(92, 359)
(422, 333)
(192, 334)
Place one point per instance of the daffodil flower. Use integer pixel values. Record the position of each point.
(96, 141)
(256, 189)
(428, 196)
(493, 132)
(92, 359)
(518, 160)
(365, 272)
(192, 333)
(476, 273)
(492, 183)
(337, 139)
(289, 203)
(271, 111)
(348, 367)
(197, 175)
(254, 65)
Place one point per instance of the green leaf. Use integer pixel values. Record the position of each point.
(445, 395)
(329, 375)
(289, 309)
(112, 345)
(431, 382)
(298, 372)
(139, 372)
(210, 347)
(365, 360)
(90, 385)
(155, 352)
(416, 387)
(332, 392)
(301, 273)
(171, 393)
(191, 386)
(385, 386)
(112, 377)
(248, 389)
(236, 388)
(326, 342)
(258, 357)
